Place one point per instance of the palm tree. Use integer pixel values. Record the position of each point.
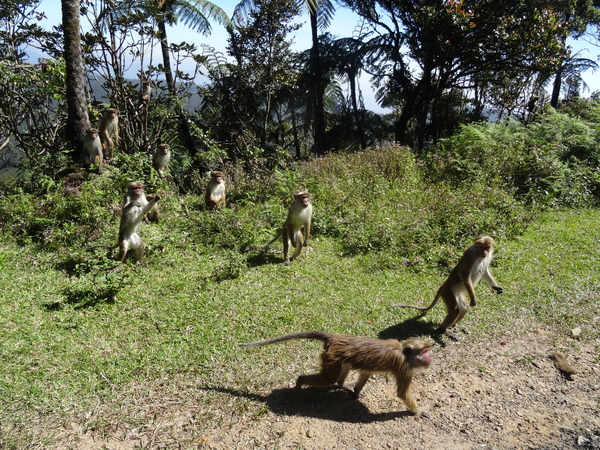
(321, 12)
(78, 121)
(571, 70)
(196, 15)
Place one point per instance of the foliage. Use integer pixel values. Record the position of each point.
(456, 44)
(245, 103)
(378, 200)
(33, 111)
(552, 161)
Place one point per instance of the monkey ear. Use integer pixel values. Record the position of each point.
(407, 350)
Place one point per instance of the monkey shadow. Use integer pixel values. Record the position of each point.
(409, 328)
(68, 265)
(263, 258)
(328, 403)
(83, 298)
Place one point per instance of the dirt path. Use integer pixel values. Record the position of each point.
(499, 395)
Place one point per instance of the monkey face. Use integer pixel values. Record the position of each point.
(483, 250)
(304, 199)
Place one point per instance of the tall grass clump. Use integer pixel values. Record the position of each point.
(552, 162)
(381, 200)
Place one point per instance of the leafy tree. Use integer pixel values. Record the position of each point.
(196, 14)
(32, 112)
(321, 13)
(570, 70)
(428, 46)
(246, 93)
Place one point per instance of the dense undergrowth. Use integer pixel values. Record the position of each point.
(95, 343)
(486, 179)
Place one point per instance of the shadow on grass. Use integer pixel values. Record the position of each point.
(263, 258)
(409, 328)
(328, 403)
(83, 298)
(68, 265)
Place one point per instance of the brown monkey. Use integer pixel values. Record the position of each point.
(215, 191)
(161, 158)
(109, 127)
(299, 215)
(154, 214)
(134, 209)
(473, 265)
(92, 149)
(342, 353)
(145, 93)
(561, 364)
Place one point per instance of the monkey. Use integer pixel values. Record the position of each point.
(109, 127)
(161, 158)
(92, 149)
(215, 191)
(145, 93)
(472, 266)
(561, 364)
(154, 214)
(134, 209)
(299, 215)
(342, 353)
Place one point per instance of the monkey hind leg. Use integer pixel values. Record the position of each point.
(299, 245)
(138, 245)
(329, 374)
(286, 246)
(360, 384)
(343, 375)
(123, 248)
(457, 309)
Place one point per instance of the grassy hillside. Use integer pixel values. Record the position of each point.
(170, 331)
(93, 348)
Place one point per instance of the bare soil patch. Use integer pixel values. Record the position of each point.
(502, 393)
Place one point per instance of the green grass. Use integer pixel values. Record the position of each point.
(71, 353)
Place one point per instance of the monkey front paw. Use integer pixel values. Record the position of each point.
(157, 197)
(499, 290)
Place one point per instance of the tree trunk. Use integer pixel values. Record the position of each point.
(78, 121)
(183, 122)
(319, 119)
(556, 89)
(357, 119)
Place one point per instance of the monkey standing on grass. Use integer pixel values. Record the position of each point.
(109, 128)
(215, 191)
(92, 149)
(299, 215)
(473, 265)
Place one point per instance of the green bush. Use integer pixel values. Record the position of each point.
(552, 162)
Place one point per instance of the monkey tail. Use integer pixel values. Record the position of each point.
(420, 308)
(318, 335)
(277, 236)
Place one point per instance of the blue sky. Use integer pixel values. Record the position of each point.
(342, 25)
